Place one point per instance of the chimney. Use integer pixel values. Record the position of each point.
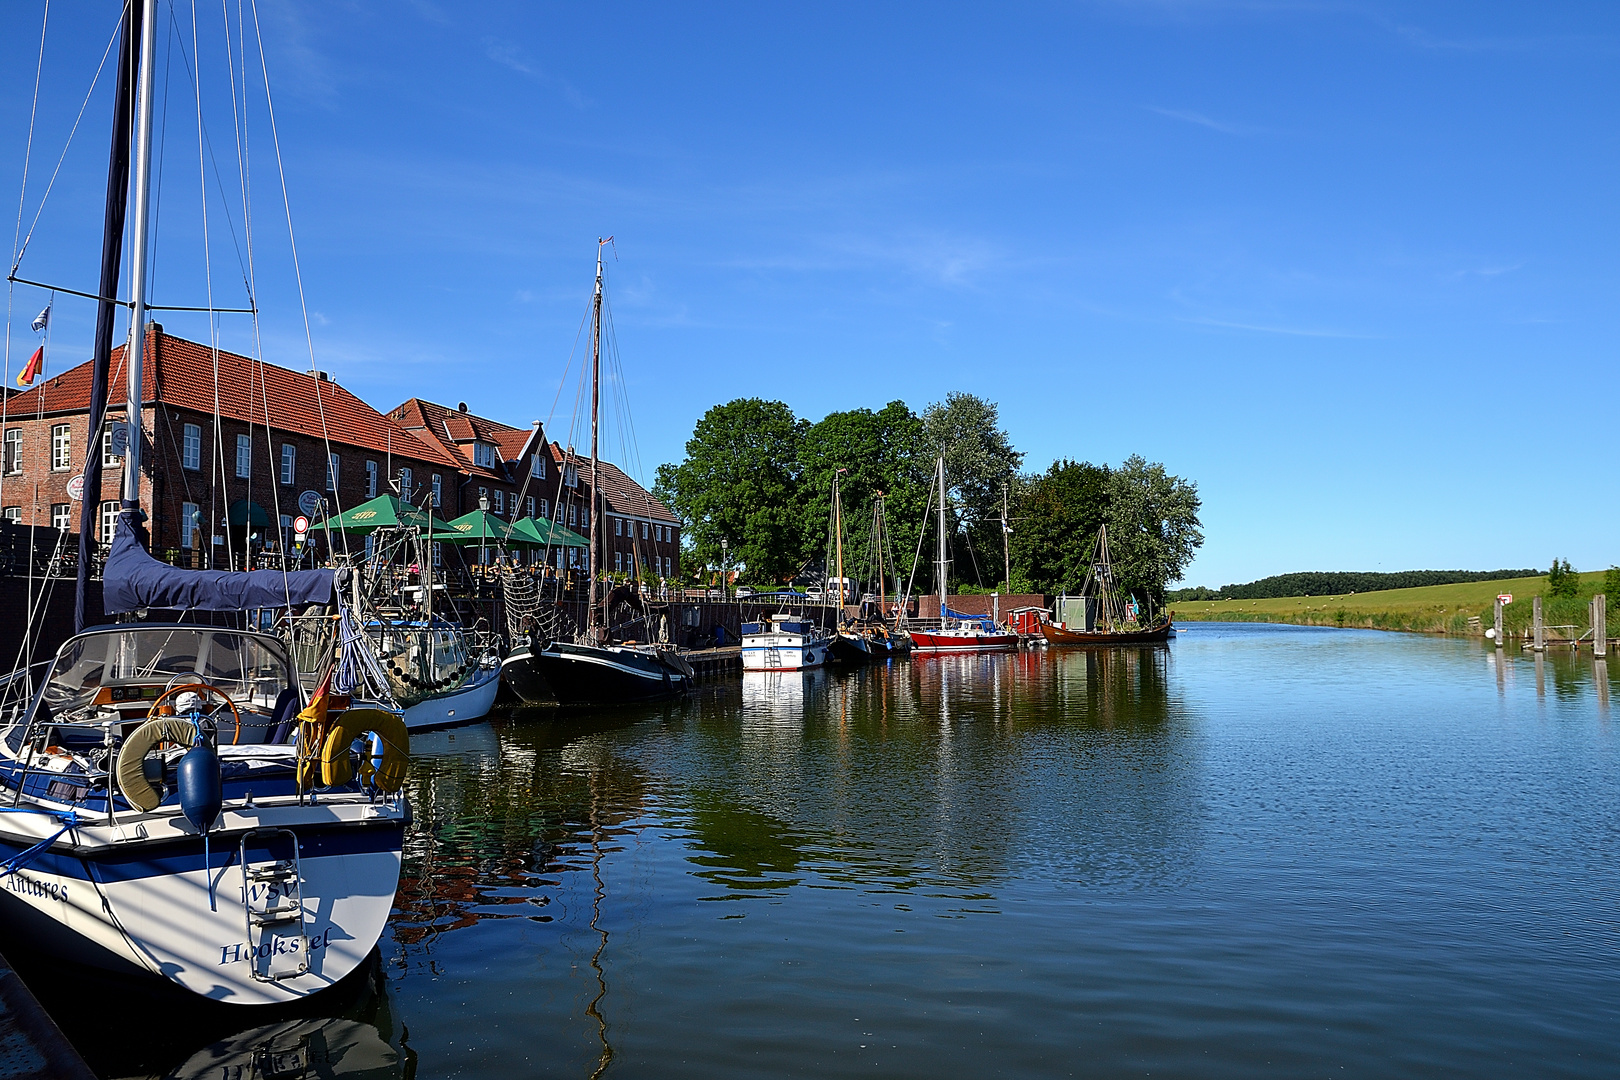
(461, 406)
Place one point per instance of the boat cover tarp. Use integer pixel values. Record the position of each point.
(132, 580)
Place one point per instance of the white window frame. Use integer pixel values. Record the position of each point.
(438, 486)
(244, 456)
(371, 479)
(405, 480)
(189, 525)
(571, 475)
(531, 506)
(108, 458)
(334, 471)
(11, 513)
(545, 509)
(107, 520)
(618, 561)
(537, 466)
(191, 447)
(13, 452)
(618, 526)
(573, 517)
(289, 463)
(61, 447)
(484, 454)
(500, 502)
(62, 516)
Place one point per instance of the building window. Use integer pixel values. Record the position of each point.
(484, 454)
(571, 475)
(189, 525)
(334, 465)
(61, 448)
(244, 456)
(667, 571)
(584, 520)
(371, 479)
(545, 509)
(531, 506)
(500, 501)
(12, 513)
(644, 530)
(108, 458)
(438, 559)
(62, 516)
(438, 485)
(573, 556)
(286, 532)
(483, 497)
(618, 526)
(405, 484)
(13, 451)
(109, 520)
(289, 458)
(537, 466)
(618, 560)
(191, 447)
(573, 517)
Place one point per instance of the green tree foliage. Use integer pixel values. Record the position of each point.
(740, 483)
(1153, 526)
(881, 451)
(979, 458)
(1055, 520)
(1562, 580)
(1611, 584)
(1341, 583)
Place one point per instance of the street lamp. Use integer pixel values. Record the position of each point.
(483, 533)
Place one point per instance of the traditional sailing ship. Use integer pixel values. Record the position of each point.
(1111, 617)
(957, 632)
(172, 808)
(583, 668)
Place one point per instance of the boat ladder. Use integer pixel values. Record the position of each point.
(272, 895)
(773, 657)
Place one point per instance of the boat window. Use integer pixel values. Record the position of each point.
(245, 666)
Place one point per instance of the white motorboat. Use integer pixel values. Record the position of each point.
(785, 643)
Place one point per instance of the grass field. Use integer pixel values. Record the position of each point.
(1431, 609)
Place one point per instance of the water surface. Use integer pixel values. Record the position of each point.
(1261, 851)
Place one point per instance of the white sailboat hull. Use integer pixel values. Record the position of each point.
(472, 701)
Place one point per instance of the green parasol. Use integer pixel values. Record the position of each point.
(483, 528)
(543, 532)
(385, 512)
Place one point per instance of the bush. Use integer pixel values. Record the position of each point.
(1611, 584)
(1562, 580)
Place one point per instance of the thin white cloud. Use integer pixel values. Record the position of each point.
(1187, 116)
(1261, 328)
(509, 54)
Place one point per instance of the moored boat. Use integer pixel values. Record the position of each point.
(1112, 617)
(957, 632)
(785, 643)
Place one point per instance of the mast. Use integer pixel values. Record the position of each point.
(112, 255)
(596, 402)
(135, 355)
(1006, 543)
(942, 559)
(877, 546)
(838, 544)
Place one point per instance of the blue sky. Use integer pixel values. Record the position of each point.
(1351, 267)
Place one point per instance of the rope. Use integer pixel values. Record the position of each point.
(27, 856)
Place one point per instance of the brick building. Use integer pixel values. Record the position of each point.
(522, 475)
(213, 488)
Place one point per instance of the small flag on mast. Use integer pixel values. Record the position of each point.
(42, 320)
(36, 363)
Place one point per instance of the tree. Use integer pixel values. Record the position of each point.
(740, 484)
(1153, 526)
(980, 464)
(879, 451)
(1611, 584)
(1562, 580)
(1055, 521)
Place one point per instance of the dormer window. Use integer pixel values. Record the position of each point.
(537, 467)
(571, 475)
(484, 454)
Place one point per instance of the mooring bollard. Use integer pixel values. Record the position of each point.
(1499, 624)
(1600, 625)
(1541, 631)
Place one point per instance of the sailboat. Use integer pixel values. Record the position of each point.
(1111, 619)
(848, 644)
(957, 632)
(586, 669)
(172, 809)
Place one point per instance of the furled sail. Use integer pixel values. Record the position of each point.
(132, 580)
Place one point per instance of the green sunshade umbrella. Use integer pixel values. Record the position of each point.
(482, 527)
(242, 512)
(385, 512)
(543, 532)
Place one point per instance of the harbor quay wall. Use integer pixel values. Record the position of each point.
(974, 604)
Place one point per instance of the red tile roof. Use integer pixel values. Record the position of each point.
(181, 373)
(451, 430)
(624, 496)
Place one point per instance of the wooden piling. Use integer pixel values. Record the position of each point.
(1540, 644)
(1499, 624)
(1600, 625)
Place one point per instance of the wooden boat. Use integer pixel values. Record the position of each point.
(1057, 634)
(1118, 622)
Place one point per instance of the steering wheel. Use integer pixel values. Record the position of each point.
(201, 687)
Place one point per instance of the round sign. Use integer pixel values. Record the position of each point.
(76, 488)
(300, 525)
(309, 502)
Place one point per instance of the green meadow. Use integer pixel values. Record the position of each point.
(1441, 609)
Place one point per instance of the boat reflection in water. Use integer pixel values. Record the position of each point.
(295, 1050)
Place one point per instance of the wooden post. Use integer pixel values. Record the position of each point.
(1540, 644)
(1499, 624)
(1600, 625)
